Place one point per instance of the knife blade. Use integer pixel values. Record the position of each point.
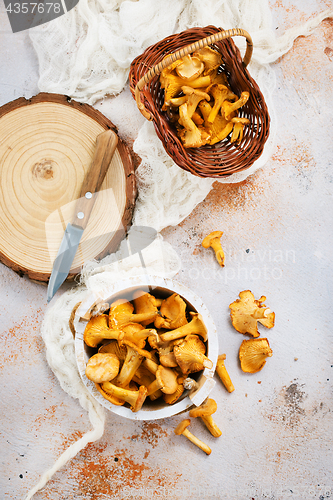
(106, 144)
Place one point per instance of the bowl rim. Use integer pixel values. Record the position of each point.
(135, 283)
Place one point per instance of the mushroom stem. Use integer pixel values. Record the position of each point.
(211, 426)
(195, 326)
(203, 446)
(182, 429)
(219, 253)
(213, 241)
(223, 374)
(261, 313)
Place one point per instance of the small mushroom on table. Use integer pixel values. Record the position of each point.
(205, 411)
(181, 429)
(213, 241)
(253, 354)
(245, 312)
(223, 374)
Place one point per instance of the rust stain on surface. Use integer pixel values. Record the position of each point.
(151, 432)
(49, 414)
(22, 340)
(95, 474)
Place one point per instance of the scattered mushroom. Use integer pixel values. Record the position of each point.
(102, 367)
(205, 411)
(223, 374)
(253, 354)
(213, 241)
(245, 312)
(181, 429)
(190, 355)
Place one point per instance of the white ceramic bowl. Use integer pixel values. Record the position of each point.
(162, 287)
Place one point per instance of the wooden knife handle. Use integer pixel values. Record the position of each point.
(106, 144)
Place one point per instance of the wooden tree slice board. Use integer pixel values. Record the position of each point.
(46, 146)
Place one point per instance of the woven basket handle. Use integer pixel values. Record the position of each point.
(200, 44)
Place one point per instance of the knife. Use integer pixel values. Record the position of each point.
(106, 144)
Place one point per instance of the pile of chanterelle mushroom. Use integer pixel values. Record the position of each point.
(150, 346)
(199, 101)
(146, 348)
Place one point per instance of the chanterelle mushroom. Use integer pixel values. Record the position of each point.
(238, 131)
(173, 313)
(195, 326)
(134, 398)
(211, 59)
(145, 303)
(205, 411)
(166, 380)
(190, 355)
(253, 354)
(194, 96)
(229, 107)
(223, 374)
(245, 312)
(133, 360)
(190, 68)
(220, 128)
(121, 312)
(213, 241)
(97, 330)
(191, 135)
(102, 367)
(181, 429)
(220, 94)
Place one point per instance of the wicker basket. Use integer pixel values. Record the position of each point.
(224, 158)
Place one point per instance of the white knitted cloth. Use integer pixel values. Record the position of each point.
(86, 54)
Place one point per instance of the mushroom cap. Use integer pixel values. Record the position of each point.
(96, 330)
(120, 312)
(172, 398)
(102, 367)
(245, 312)
(144, 303)
(113, 347)
(182, 426)
(167, 378)
(211, 58)
(208, 407)
(190, 68)
(190, 354)
(173, 313)
(253, 354)
(207, 241)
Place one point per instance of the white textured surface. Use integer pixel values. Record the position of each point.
(277, 435)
